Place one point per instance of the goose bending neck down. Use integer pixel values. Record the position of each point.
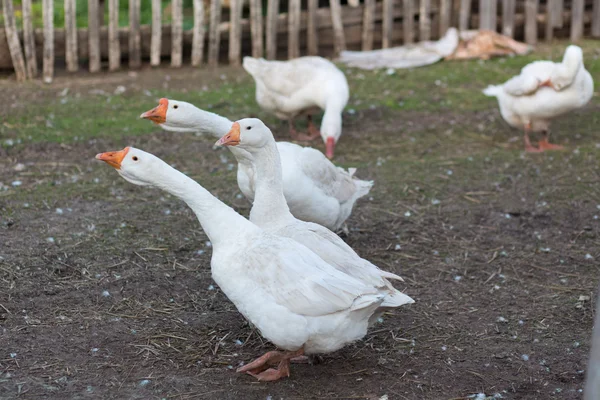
(314, 188)
(295, 299)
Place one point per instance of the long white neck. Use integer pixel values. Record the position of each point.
(331, 125)
(219, 221)
(215, 125)
(270, 207)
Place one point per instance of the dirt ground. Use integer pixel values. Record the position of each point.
(106, 293)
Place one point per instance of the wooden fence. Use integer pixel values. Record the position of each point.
(302, 29)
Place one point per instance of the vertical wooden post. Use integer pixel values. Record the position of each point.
(71, 36)
(235, 31)
(388, 23)
(424, 20)
(294, 9)
(93, 36)
(256, 27)
(487, 14)
(271, 36)
(445, 16)
(114, 48)
(531, 9)
(408, 18)
(155, 39)
(550, 10)
(48, 11)
(339, 40)
(596, 19)
(508, 17)
(198, 33)
(28, 40)
(135, 39)
(312, 43)
(176, 33)
(464, 15)
(14, 45)
(368, 25)
(214, 36)
(558, 15)
(577, 11)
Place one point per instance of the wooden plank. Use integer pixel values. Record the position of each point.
(445, 16)
(198, 33)
(550, 10)
(558, 20)
(531, 9)
(156, 36)
(48, 16)
(176, 33)
(487, 14)
(368, 25)
(71, 36)
(577, 11)
(508, 17)
(596, 19)
(294, 12)
(338, 26)
(408, 19)
(388, 23)
(425, 20)
(12, 36)
(135, 38)
(235, 31)
(256, 27)
(271, 36)
(214, 35)
(464, 15)
(93, 36)
(114, 47)
(29, 40)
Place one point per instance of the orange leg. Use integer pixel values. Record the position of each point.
(528, 147)
(293, 132)
(313, 131)
(259, 368)
(544, 145)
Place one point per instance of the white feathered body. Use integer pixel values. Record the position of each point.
(291, 88)
(291, 295)
(314, 188)
(523, 101)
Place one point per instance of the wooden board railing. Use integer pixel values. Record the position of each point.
(313, 30)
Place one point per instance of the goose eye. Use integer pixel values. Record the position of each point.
(248, 128)
(134, 158)
(175, 106)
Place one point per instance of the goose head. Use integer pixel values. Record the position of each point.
(248, 133)
(562, 76)
(331, 130)
(134, 165)
(173, 115)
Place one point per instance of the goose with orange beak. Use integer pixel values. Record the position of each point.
(315, 189)
(295, 299)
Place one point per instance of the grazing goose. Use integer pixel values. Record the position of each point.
(543, 91)
(298, 301)
(315, 189)
(301, 86)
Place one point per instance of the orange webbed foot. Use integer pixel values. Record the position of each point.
(544, 145)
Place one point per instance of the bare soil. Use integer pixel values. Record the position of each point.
(106, 292)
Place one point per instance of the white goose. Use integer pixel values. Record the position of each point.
(271, 213)
(297, 301)
(542, 91)
(300, 86)
(315, 189)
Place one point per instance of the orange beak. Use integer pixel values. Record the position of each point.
(158, 114)
(113, 158)
(329, 147)
(231, 138)
(547, 83)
